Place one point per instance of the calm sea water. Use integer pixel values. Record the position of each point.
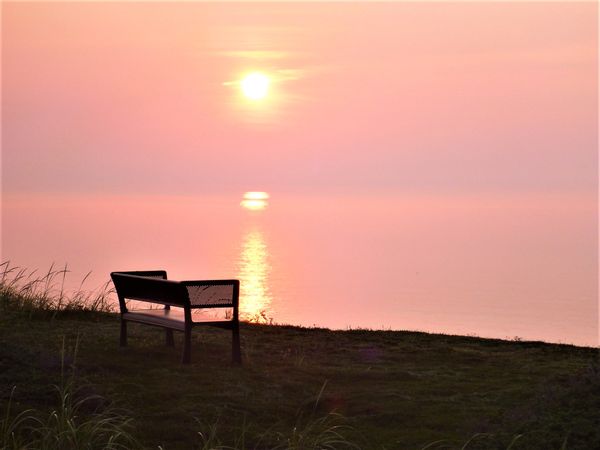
(494, 266)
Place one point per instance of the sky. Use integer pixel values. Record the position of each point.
(143, 98)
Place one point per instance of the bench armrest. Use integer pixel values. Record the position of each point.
(213, 293)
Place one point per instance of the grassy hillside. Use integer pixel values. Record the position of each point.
(298, 387)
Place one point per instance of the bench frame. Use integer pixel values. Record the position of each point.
(152, 286)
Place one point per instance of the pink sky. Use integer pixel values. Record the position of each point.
(452, 97)
(450, 146)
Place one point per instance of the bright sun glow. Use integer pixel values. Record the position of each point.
(255, 201)
(255, 85)
(255, 195)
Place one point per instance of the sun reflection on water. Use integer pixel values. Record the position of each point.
(255, 201)
(254, 271)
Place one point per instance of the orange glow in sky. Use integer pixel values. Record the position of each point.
(439, 140)
(291, 93)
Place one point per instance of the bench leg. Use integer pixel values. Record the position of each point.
(187, 345)
(170, 342)
(123, 340)
(236, 353)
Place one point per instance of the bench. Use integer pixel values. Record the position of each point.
(184, 296)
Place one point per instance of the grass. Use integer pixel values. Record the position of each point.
(299, 388)
(310, 431)
(44, 294)
(78, 421)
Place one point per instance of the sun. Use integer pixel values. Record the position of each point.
(255, 85)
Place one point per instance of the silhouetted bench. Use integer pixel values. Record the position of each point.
(153, 287)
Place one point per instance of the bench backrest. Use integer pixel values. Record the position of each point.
(147, 273)
(149, 287)
(213, 293)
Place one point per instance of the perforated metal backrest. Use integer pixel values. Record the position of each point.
(153, 289)
(211, 294)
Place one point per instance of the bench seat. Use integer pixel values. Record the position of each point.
(173, 318)
(183, 305)
(166, 318)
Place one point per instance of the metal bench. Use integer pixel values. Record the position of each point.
(153, 287)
